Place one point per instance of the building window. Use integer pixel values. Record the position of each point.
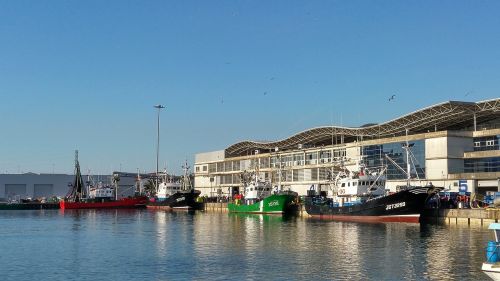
(236, 165)
(220, 167)
(486, 143)
(311, 158)
(211, 168)
(374, 156)
(204, 168)
(314, 174)
(482, 165)
(197, 168)
(323, 173)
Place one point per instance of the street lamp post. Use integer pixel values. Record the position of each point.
(159, 107)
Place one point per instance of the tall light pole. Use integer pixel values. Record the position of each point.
(159, 107)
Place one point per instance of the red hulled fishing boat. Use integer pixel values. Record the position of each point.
(97, 196)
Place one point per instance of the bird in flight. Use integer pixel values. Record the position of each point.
(392, 97)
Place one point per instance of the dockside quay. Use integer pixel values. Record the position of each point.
(455, 146)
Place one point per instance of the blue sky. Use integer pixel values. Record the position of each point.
(86, 74)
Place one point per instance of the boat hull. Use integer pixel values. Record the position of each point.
(134, 202)
(29, 206)
(402, 206)
(274, 204)
(178, 201)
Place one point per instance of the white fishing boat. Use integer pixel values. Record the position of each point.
(176, 195)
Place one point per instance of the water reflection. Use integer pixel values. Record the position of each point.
(158, 245)
(161, 232)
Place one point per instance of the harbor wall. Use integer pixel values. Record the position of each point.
(462, 216)
(215, 207)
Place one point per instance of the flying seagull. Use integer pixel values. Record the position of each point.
(392, 97)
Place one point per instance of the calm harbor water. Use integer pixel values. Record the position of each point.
(157, 245)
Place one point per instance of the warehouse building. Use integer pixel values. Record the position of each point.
(14, 187)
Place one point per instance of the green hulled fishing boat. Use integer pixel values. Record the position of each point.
(273, 204)
(258, 198)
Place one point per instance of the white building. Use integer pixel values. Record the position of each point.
(455, 145)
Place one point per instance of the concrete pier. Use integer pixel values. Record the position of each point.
(216, 207)
(463, 216)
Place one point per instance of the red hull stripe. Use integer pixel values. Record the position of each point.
(402, 218)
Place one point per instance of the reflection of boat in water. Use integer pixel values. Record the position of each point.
(258, 198)
(492, 265)
(361, 196)
(25, 204)
(97, 196)
(171, 195)
(261, 217)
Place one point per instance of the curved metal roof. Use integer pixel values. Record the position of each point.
(444, 116)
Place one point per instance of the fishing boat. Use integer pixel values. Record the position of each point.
(362, 196)
(259, 197)
(176, 195)
(492, 265)
(98, 196)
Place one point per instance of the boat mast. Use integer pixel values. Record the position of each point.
(186, 180)
(88, 183)
(276, 149)
(408, 166)
(279, 175)
(257, 173)
(78, 183)
(139, 187)
(116, 179)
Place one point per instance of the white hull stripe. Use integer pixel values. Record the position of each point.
(418, 191)
(411, 215)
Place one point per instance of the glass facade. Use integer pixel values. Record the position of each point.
(478, 165)
(374, 156)
(486, 143)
